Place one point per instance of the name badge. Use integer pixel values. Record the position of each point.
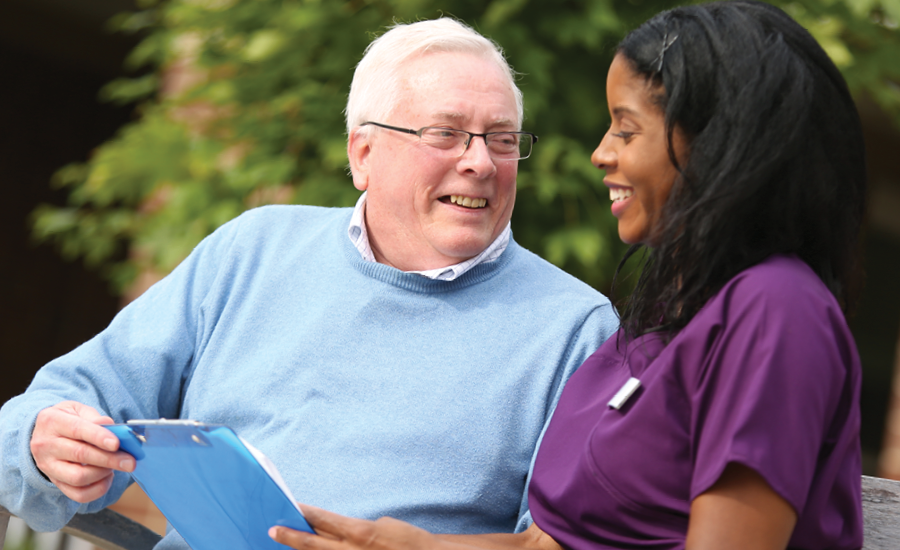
(626, 391)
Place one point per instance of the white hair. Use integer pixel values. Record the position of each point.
(376, 81)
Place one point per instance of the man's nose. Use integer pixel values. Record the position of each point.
(477, 156)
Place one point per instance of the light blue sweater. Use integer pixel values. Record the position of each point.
(374, 392)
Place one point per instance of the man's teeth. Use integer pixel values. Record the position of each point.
(619, 193)
(468, 202)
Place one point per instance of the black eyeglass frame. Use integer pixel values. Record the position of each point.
(420, 131)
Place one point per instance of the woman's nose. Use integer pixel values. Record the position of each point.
(604, 157)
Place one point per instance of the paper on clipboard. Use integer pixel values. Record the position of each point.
(270, 469)
(215, 489)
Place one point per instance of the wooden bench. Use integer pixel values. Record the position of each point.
(881, 513)
(111, 531)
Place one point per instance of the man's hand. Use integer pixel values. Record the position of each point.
(75, 452)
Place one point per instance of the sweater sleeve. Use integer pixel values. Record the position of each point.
(599, 325)
(136, 368)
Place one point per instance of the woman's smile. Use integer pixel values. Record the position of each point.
(620, 197)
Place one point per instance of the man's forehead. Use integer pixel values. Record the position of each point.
(443, 90)
(429, 71)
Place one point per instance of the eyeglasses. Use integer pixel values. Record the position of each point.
(500, 145)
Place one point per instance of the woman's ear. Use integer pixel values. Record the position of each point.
(358, 149)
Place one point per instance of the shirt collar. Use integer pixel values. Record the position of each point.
(360, 239)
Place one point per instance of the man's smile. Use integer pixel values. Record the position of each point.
(467, 202)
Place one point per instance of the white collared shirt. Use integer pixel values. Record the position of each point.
(360, 239)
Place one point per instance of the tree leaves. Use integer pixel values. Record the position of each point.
(244, 103)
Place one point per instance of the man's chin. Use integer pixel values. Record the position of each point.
(464, 247)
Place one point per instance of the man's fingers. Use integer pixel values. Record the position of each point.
(80, 480)
(72, 420)
(81, 410)
(102, 420)
(78, 452)
(86, 493)
(47, 451)
(76, 475)
(85, 429)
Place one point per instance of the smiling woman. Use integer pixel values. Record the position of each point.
(735, 155)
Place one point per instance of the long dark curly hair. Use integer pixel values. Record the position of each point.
(776, 160)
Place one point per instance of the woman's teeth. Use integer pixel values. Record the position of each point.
(468, 202)
(619, 193)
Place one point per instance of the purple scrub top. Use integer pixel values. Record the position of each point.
(766, 375)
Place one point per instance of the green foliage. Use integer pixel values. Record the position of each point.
(243, 107)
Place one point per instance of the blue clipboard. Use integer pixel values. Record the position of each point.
(209, 484)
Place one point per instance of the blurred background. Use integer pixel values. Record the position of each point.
(132, 129)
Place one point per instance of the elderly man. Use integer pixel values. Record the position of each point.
(400, 358)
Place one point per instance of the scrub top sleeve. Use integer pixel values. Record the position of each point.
(770, 384)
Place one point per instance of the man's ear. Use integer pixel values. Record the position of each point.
(358, 150)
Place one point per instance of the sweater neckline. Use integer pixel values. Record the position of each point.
(419, 283)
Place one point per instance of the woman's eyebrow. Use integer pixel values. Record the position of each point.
(623, 110)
